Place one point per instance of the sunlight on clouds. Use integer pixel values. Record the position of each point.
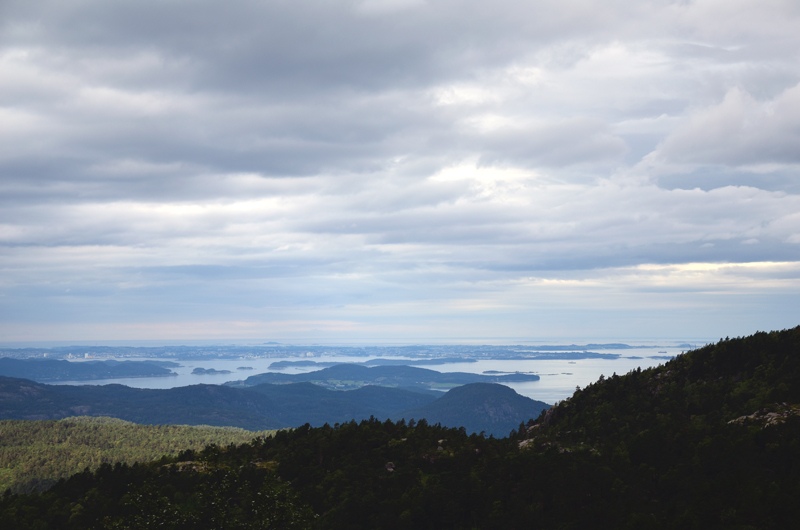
(465, 95)
(618, 60)
(498, 185)
(708, 277)
(472, 171)
(718, 277)
(528, 76)
(128, 103)
(22, 77)
(490, 122)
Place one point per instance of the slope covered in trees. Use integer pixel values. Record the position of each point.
(264, 406)
(255, 408)
(709, 440)
(300, 403)
(190, 405)
(478, 407)
(35, 454)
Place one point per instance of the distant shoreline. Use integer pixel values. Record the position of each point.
(104, 378)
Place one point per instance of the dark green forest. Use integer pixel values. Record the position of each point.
(711, 439)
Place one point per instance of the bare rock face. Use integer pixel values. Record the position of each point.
(766, 417)
(552, 415)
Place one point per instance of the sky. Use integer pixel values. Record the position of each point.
(398, 170)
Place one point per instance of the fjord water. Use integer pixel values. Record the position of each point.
(558, 377)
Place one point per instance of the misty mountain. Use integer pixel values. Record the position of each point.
(23, 399)
(479, 407)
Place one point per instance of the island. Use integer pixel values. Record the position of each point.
(209, 371)
(42, 370)
(352, 376)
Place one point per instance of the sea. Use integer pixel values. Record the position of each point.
(558, 377)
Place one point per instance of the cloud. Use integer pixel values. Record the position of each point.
(739, 131)
(387, 163)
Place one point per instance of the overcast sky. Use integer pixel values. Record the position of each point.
(398, 170)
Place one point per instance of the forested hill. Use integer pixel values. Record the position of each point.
(191, 405)
(495, 409)
(256, 408)
(711, 386)
(478, 407)
(711, 437)
(709, 440)
(345, 376)
(35, 454)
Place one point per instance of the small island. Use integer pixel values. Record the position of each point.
(244, 368)
(210, 371)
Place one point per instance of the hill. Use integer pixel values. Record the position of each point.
(42, 370)
(34, 455)
(190, 405)
(300, 403)
(493, 408)
(348, 376)
(478, 407)
(708, 387)
(255, 408)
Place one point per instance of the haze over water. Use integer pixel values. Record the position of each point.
(558, 377)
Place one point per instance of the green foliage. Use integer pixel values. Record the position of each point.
(35, 454)
(218, 500)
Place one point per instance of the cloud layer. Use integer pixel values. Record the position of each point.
(399, 169)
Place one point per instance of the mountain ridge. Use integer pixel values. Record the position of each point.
(261, 407)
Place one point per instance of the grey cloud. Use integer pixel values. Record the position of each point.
(709, 177)
(739, 131)
(563, 143)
